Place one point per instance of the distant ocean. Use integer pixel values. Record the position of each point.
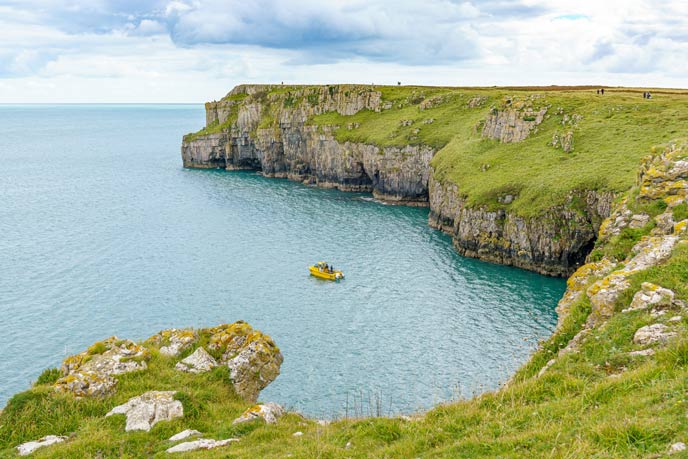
(102, 232)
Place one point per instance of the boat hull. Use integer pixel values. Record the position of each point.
(334, 276)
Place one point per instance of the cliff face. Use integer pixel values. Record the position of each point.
(270, 129)
(269, 132)
(554, 243)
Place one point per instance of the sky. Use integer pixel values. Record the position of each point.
(197, 50)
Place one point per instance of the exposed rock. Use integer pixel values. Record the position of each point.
(174, 341)
(86, 384)
(650, 295)
(655, 333)
(512, 124)
(639, 221)
(198, 362)
(269, 412)
(546, 367)
(477, 101)
(677, 447)
(252, 357)
(675, 319)
(200, 444)
(542, 243)
(643, 352)
(297, 434)
(90, 372)
(184, 434)
(29, 447)
(146, 410)
(563, 141)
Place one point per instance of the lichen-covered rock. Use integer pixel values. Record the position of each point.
(29, 447)
(650, 295)
(90, 373)
(174, 341)
(146, 410)
(269, 412)
(86, 384)
(198, 362)
(202, 443)
(252, 357)
(655, 333)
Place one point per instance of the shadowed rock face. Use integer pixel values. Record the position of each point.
(290, 148)
(554, 243)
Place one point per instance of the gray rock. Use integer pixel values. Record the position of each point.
(650, 295)
(184, 434)
(655, 333)
(29, 447)
(677, 447)
(200, 444)
(146, 410)
(639, 221)
(198, 362)
(643, 353)
(269, 412)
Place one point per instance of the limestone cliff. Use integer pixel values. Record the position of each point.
(265, 128)
(554, 243)
(271, 129)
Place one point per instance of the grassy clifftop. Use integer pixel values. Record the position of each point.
(610, 132)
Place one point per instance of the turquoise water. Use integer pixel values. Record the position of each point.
(103, 232)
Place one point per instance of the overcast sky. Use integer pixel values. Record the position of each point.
(196, 50)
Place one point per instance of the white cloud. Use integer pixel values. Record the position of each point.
(193, 50)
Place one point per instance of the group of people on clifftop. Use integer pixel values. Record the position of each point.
(646, 94)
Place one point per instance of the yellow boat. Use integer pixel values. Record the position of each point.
(323, 271)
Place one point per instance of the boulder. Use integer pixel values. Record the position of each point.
(677, 447)
(89, 373)
(650, 295)
(184, 434)
(200, 444)
(655, 333)
(252, 357)
(198, 362)
(174, 341)
(146, 410)
(269, 412)
(29, 447)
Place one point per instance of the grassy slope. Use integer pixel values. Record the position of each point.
(616, 130)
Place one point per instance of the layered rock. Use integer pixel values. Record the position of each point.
(553, 243)
(270, 133)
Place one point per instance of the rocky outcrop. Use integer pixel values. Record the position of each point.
(512, 124)
(91, 373)
(554, 243)
(146, 410)
(268, 412)
(662, 177)
(174, 341)
(184, 434)
(270, 132)
(198, 362)
(252, 357)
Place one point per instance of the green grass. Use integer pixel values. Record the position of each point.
(615, 131)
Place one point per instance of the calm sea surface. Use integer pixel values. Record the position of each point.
(102, 232)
